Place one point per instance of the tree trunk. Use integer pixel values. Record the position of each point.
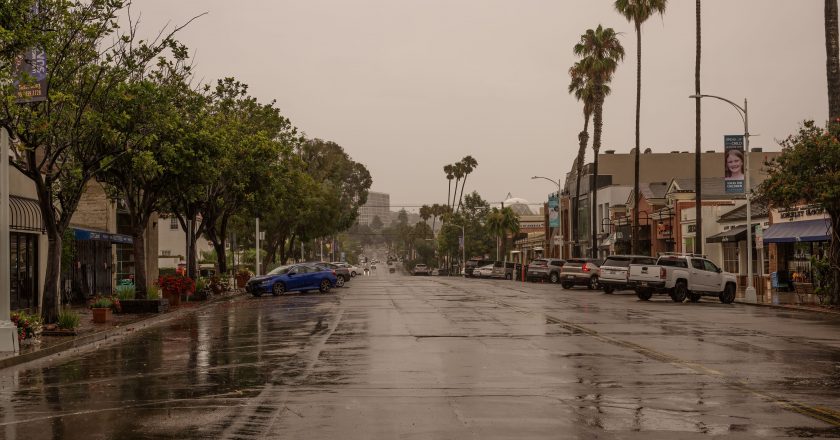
(52, 292)
(597, 122)
(583, 138)
(461, 198)
(139, 245)
(834, 258)
(832, 62)
(635, 232)
(698, 190)
(192, 263)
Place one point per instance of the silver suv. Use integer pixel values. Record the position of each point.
(614, 270)
(543, 269)
(581, 272)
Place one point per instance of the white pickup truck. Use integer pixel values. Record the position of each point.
(682, 276)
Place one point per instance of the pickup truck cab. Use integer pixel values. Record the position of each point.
(682, 276)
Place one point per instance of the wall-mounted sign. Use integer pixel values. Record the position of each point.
(796, 212)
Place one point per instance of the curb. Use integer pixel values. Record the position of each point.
(791, 307)
(79, 343)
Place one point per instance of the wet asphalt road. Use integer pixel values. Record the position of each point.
(393, 356)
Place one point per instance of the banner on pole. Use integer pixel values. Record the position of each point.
(553, 212)
(733, 159)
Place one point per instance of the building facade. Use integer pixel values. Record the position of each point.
(378, 205)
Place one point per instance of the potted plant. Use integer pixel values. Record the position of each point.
(102, 308)
(28, 326)
(174, 286)
(242, 278)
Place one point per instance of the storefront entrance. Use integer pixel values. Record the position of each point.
(24, 271)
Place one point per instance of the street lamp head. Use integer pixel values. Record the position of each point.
(694, 96)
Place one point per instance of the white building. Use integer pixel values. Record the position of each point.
(172, 244)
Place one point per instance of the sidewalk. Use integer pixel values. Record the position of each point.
(785, 302)
(88, 333)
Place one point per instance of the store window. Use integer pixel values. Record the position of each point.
(173, 223)
(24, 271)
(730, 258)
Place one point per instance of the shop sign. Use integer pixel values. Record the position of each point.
(797, 212)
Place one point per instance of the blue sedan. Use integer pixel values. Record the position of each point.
(296, 277)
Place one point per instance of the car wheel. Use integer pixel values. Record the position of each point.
(694, 297)
(593, 283)
(508, 276)
(555, 278)
(353, 274)
(567, 285)
(644, 294)
(325, 286)
(680, 292)
(278, 289)
(609, 289)
(339, 282)
(728, 294)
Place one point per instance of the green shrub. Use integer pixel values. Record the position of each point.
(125, 292)
(102, 303)
(68, 319)
(153, 292)
(200, 284)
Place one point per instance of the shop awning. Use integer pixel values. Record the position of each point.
(736, 234)
(90, 234)
(791, 232)
(25, 214)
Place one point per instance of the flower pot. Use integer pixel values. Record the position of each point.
(174, 298)
(101, 315)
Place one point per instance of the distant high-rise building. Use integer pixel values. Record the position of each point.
(377, 205)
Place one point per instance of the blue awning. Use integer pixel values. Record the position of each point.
(792, 232)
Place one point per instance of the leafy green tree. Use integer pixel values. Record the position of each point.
(600, 52)
(376, 224)
(500, 223)
(638, 12)
(808, 171)
(58, 143)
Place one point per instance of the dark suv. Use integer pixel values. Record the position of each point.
(543, 269)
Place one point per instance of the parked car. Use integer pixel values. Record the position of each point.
(485, 271)
(581, 272)
(543, 269)
(354, 270)
(341, 272)
(614, 270)
(507, 270)
(682, 276)
(421, 269)
(391, 268)
(296, 277)
(474, 263)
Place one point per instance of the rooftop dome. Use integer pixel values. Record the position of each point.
(518, 205)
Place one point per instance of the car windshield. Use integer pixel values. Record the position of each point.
(280, 270)
(674, 262)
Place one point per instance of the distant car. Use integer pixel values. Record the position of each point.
(485, 271)
(545, 269)
(296, 277)
(392, 269)
(354, 270)
(473, 264)
(581, 272)
(341, 272)
(421, 269)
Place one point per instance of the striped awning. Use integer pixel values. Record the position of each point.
(25, 214)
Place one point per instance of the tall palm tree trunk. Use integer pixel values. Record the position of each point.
(698, 191)
(832, 63)
(635, 234)
(449, 192)
(583, 137)
(597, 122)
(461, 198)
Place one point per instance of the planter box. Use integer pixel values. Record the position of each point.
(174, 299)
(101, 315)
(144, 305)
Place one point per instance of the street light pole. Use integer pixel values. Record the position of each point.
(749, 294)
(559, 212)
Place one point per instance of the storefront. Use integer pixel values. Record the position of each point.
(794, 242)
(93, 266)
(26, 238)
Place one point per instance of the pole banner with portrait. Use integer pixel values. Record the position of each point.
(553, 212)
(733, 158)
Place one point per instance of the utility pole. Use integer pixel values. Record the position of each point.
(257, 248)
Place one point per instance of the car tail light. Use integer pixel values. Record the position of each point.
(585, 267)
(662, 273)
(333, 272)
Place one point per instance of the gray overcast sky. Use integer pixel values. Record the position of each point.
(407, 86)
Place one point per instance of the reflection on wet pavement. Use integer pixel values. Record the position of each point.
(397, 356)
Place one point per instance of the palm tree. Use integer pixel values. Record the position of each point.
(469, 165)
(600, 51)
(459, 172)
(450, 174)
(500, 223)
(832, 64)
(637, 12)
(583, 89)
(698, 193)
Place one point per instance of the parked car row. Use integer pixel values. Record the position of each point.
(681, 276)
(302, 277)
